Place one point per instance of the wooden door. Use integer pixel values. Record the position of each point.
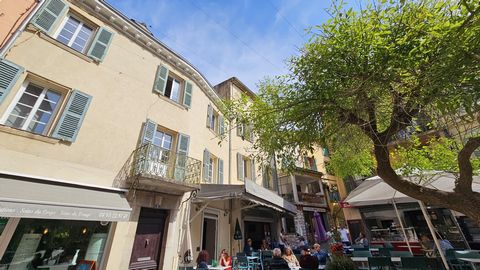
(148, 239)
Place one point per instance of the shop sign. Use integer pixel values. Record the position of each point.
(11, 209)
(314, 209)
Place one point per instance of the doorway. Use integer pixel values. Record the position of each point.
(209, 237)
(148, 239)
(257, 231)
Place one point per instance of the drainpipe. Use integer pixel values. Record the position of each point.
(12, 38)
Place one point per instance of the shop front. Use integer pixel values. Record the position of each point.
(52, 225)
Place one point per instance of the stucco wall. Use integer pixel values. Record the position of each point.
(12, 14)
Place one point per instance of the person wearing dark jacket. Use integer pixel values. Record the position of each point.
(277, 261)
(247, 249)
(308, 261)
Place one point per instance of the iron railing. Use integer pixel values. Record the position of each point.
(154, 162)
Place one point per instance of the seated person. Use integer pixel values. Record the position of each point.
(290, 257)
(247, 249)
(225, 260)
(277, 261)
(320, 254)
(361, 240)
(202, 260)
(308, 261)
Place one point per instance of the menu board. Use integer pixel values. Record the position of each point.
(96, 247)
(25, 251)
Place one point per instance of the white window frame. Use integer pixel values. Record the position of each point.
(181, 87)
(35, 107)
(75, 34)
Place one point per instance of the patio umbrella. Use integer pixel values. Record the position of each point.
(186, 245)
(319, 228)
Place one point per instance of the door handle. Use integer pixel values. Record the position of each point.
(147, 242)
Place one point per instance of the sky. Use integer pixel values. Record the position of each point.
(248, 39)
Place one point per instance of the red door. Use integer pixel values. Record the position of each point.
(148, 239)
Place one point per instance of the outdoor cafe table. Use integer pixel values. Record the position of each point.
(365, 259)
(472, 260)
(371, 249)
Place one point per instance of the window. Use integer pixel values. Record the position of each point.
(245, 130)
(215, 121)
(245, 168)
(163, 140)
(34, 110)
(75, 34)
(172, 90)
(83, 37)
(210, 165)
(310, 163)
(212, 168)
(36, 106)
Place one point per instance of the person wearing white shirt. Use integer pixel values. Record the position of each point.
(344, 235)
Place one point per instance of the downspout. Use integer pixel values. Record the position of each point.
(9, 43)
(230, 145)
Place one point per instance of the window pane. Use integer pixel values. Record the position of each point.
(167, 141)
(34, 90)
(82, 38)
(54, 244)
(175, 95)
(68, 30)
(36, 127)
(21, 110)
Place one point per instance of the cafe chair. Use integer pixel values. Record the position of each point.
(241, 262)
(383, 263)
(384, 251)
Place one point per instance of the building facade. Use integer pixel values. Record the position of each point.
(110, 146)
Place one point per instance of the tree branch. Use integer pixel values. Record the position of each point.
(464, 182)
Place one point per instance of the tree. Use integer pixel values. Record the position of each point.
(367, 75)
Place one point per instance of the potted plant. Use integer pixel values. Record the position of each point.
(340, 263)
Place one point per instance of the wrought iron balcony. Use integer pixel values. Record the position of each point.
(312, 198)
(150, 167)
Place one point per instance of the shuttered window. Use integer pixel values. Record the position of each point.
(34, 110)
(100, 44)
(9, 74)
(75, 34)
(71, 120)
(187, 95)
(207, 176)
(50, 14)
(220, 171)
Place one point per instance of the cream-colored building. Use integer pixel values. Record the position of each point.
(110, 147)
(14, 13)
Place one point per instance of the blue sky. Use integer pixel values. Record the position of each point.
(249, 39)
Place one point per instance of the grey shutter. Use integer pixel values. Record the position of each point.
(240, 167)
(187, 95)
(221, 121)
(206, 164)
(100, 44)
(220, 171)
(49, 14)
(149, 130)
(9, 74)
(252, 163)
(71, 120)
(240, 128)
(160, 80)
(182, 156)
(209, 115)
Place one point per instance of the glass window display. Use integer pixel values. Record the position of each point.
(54, 244)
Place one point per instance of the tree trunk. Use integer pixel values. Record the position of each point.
(466, 203)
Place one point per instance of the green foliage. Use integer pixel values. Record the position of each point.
(439, 154)
(341, 263)
(367, 73)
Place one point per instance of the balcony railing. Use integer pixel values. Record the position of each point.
(311, 198)
(155, 163)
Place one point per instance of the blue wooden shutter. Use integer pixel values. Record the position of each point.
(187, 95)
(221, 124)
(71, 120)
(209, 115)
(160, 79)
(49, 14)
(240, 167)
(240, 128)
(182, 156)
(149, 130)
(206, 164)
(100, 44)
(220, 171)
(9, 74)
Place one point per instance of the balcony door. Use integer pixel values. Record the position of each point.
(210, 232)
(161, 153)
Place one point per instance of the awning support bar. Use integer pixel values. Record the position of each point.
(199, 212)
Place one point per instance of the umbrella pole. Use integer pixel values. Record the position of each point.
(401, 226)
(434, 235)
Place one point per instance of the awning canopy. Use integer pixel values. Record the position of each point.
(374, 191)
(249, 191)
(30, 198)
